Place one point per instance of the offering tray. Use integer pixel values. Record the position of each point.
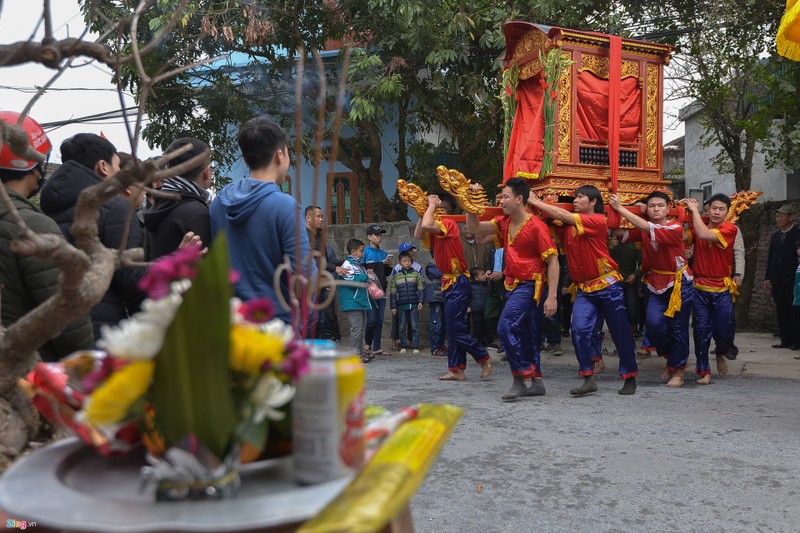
(66, 485)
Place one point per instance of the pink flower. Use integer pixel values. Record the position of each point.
(258, 310)
(181, 264)
(509, 91)
(296, 363)
(233, 276)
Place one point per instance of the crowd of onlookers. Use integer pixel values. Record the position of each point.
(261, 227)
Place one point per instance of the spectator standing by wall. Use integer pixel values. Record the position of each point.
(354, 301)
(779, 276)
(380, 263)
(405, 294)
(435, 299)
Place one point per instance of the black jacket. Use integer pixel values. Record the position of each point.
(58, 200)
(479, 292)
(782, 258)
(167, 221)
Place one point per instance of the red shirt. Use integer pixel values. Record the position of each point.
(662, 254)
(525, 251)
(591, 267)
(713, 260)
(447, 251)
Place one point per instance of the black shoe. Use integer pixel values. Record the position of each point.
(782, 345)
(500, 349)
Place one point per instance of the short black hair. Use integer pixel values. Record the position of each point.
(520, 187)
(197, 148)
(592, 193)
(404, 254)
(7, 174)
(311, 208)
(87, 149)
(259, 138)
(449, 204)
(658, 194)
(475, 271)
(353, 245)
(719, 197)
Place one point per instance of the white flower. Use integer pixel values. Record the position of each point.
(161, 311)
(236, 316)
(278, 328)
(269, 394)
(133, 339)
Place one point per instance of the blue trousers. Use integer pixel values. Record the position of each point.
(520, 331)
(436, 325)
(456, 327)
(588, 311)
(713, 317)
(404, 317)
(670, 336)
(372, 336)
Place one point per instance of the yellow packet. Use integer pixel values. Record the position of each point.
(384, 486)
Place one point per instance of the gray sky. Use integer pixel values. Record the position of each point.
(62, 102)
(17, 20)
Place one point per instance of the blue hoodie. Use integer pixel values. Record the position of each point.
(262, 226)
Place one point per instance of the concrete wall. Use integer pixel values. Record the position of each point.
(700, 170)
(396, 233)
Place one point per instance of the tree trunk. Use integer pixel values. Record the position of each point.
(749, 224)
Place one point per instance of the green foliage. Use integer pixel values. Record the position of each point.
(191, 386)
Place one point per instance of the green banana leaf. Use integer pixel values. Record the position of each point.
(191, 385)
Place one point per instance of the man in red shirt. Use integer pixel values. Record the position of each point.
(598, 296)
(668, 279)
(443, 239)
(528, 247)
(714, 290)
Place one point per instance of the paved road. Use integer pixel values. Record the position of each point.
(722, 457)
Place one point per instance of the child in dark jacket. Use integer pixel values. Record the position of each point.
(405, 300)
(435, 300)
(479, 288)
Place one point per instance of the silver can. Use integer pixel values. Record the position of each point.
(328, 417)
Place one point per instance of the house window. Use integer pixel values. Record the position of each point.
(349, 201)
(706, 190)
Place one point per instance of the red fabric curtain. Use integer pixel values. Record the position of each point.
(592, 108)
(525, 148)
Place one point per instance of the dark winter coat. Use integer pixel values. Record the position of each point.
(405, 289)
(782, 257)
(167, 220)
(27, 281)
(59, 198)
(433, 288)
(479, 293)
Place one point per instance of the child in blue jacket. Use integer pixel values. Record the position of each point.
(354, 301)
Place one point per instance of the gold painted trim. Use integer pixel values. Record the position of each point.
(565, 113)
(530, 44)
(651, 138)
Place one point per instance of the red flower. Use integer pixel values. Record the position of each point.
(509, 92)
(544, 85)
(553, 94)
(258, 310)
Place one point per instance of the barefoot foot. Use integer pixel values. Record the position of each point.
(704, 380)
(599, 367)
(486, 369)
(722, 365)
(453, 376)
(666, 375)
(675, 381)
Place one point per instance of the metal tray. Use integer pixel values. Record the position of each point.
(67, 485)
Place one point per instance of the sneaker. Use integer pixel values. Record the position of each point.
(500, 349)
(557, 349)
(416, 351)
(439, 351)
(403, 350)
(547, 348)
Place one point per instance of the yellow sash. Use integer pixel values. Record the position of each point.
(675, 299)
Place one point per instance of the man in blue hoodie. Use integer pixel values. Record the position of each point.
(262, 223)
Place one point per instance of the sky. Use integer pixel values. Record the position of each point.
(18, 18)
(86, 88)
